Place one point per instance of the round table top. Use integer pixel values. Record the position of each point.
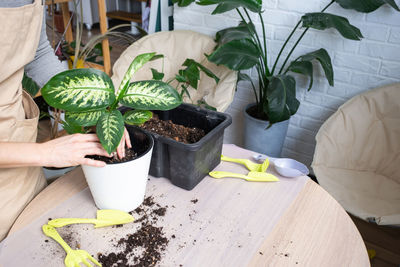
(293, 222)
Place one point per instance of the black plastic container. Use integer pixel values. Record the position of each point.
(187, 164)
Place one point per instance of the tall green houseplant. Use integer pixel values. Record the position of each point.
(240, 48)
(89, 99)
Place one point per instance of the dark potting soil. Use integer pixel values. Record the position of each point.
(180, 133)
(150, 238)
(252, 111)
(129, 155)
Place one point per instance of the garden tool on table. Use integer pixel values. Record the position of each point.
(104, 218)
(251, 176)
(251, 166)
(285, 166)
(74, 256)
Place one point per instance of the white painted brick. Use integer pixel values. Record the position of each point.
(295, 120)
(354, 17)
(324, 100)
(311, 124)
(391, 69)
(367, 80)
(385, 15)
(271, 4)
(374, 31)
(367, 64)
(298, 145)
(380, 50)
(314, 111)
(394, 36)
(341, 75)
(218, 22)
(281, 33)
(281, 18)
(191, 18)
(300, 6)
(300, 134)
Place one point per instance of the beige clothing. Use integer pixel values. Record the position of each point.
(19, 32)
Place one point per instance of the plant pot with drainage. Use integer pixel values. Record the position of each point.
(187, 159)
(89, 99)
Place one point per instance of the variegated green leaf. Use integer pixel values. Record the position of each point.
(79, 90)
(110, 129)
(137, 117)
(85, 118)
(154, 95)
(136, 64)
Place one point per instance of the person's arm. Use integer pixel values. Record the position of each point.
(61, 152)
(45, 64)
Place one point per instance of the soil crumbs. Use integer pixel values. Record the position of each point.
(146, 245)
(180, 133)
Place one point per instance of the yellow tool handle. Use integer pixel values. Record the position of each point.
(50, 231)
(60, 222)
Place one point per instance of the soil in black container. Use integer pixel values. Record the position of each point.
(180, 133)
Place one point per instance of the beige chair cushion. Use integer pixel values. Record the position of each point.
(357, 157)
(177, 46)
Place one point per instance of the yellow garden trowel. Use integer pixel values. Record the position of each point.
(104, 218)
(251, 166)
(251, 176)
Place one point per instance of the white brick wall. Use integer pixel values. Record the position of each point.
(358, 66)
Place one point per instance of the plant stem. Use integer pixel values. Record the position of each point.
(283, 47)
(265, 44)
(290, 35)
(257, 39)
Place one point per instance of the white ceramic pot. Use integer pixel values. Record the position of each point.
(122, 186)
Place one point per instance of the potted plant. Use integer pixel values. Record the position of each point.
(187, 163)
(240, 48)
(89, 99)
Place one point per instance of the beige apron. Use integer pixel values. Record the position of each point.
(19, 38)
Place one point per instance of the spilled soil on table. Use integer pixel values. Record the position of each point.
(145, 246)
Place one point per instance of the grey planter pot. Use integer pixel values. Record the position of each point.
(257, 138)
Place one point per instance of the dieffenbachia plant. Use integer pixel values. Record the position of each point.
(89, 99)
(242, 47)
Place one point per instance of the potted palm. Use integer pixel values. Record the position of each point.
(241, 48)
(89, 99)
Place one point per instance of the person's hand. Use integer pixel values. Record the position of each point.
(121, 147)
(71, 151)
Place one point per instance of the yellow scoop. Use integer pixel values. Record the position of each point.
(251, 166)
(251, 176)
(104, 218)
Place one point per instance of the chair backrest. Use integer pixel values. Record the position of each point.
(363, 135)
(177, 46)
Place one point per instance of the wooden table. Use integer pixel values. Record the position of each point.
(293, 222)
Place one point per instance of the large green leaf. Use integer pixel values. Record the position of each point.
(183, 3)
(303, 67)
(154, 95)
(227, 5)
(137, 117)
(236, 54)
(72, 128)
(136, 64)
(243, 31)
(157, 75)
(110, 129)
(281, 96)
(85, 118)
(322, 21)
(366, 6)
(79, 90)
(324, 59)
(191, 74)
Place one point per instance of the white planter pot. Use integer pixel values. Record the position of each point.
(259, 139)
(122, 186)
